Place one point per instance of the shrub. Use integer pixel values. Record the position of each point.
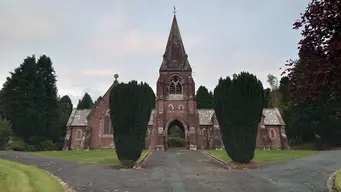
(17, 145)
(5, 133)
(30, 148)
(239, 109)
(176, 142)
(47, 146)
(130, 108)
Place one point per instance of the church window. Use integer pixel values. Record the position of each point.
(107, 126)
(79, 134)
(175, 86)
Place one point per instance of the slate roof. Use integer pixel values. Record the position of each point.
(78, 117)
(205, 116)
(271, 117)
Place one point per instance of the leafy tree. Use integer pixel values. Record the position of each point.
(5, 132)
(239, 114)
(319, 52)
(275, 95)
(204, 98)
(86, 102)
(65, 106)
(130, 107)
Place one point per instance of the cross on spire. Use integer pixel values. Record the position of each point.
(174, 10)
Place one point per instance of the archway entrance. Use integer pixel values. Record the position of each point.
(176, 135)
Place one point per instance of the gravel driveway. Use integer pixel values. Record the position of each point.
(189, 171)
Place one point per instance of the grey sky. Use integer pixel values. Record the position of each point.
(89, 41)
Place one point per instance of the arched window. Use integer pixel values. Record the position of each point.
(79, 134)
(175, 86)
(107, 126)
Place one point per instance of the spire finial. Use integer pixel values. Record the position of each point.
(174, 10)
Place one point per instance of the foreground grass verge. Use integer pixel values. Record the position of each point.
(102, 157)
(16, 177)
(265, 156)
(338, 180)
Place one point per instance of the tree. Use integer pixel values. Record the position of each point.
(220, 107)
(275, 95)
(319, 52)
(86, 102)
(29, 100)
(239, 114)
(65, 106)
(5, 133)
(48, 102)
(98, 100)
(130, 107)
(204, 98)
(267, 98)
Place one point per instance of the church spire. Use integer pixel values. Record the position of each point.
(175, 57)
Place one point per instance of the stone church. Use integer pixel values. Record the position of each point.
(175, 106)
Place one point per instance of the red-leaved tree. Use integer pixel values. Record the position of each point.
(318, 68)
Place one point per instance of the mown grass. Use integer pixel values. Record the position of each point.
(103, 157)
(264, 156)
(338, 180)
(16, 177)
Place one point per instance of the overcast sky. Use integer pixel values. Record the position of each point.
(90, 41)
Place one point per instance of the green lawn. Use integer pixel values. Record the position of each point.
(338, 180)
(16, 177)
(268, 155)
(103, 157)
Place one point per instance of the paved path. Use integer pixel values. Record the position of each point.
(189, 171)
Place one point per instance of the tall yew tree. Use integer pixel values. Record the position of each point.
(204, 98)
(239, 109)
(130, 107)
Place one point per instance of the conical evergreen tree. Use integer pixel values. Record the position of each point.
(86, 102)
(204, 98)
(239, 110)
(130, 108)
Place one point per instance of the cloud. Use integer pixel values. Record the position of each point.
(97, 73)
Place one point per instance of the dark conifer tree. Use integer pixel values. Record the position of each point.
(130, 107)
(204, 98)
(239, 111)
(65, 106)
(86, 102)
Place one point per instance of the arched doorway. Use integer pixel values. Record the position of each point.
(176, 134)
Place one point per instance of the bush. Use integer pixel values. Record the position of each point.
(17, 145)
(5, 133)
(176, 142)
(30, 148)
(130, 108)
(239, 108)
(47, 146)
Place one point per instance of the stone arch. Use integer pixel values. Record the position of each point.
(181, 122)
(181, 107)
(79, 134)
(170, 107)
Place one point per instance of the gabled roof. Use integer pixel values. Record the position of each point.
(78, 117)
(272, 116)
(175, 57)
(205, 116)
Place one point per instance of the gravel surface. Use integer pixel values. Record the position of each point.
(189, 171)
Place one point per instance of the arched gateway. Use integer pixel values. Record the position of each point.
(176, 131)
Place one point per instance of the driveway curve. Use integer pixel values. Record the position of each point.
(189, 171)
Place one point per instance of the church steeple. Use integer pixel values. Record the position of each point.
(175, 57)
